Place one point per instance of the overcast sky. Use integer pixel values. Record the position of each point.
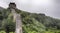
(48, 7)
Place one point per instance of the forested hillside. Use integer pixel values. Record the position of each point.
(32, 22)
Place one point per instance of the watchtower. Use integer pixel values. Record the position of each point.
(12, 5)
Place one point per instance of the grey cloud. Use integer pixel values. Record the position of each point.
(52, 10)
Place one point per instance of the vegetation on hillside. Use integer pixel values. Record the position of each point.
(32, 22)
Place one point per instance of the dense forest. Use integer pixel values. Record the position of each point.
(32, 22)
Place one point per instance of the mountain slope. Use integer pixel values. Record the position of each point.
(32, 22)
(1, 8)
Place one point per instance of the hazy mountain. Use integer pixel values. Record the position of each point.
(1, 8)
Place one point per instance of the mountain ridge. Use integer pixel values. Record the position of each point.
(32, 22)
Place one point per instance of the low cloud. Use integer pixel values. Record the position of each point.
(49, 7)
